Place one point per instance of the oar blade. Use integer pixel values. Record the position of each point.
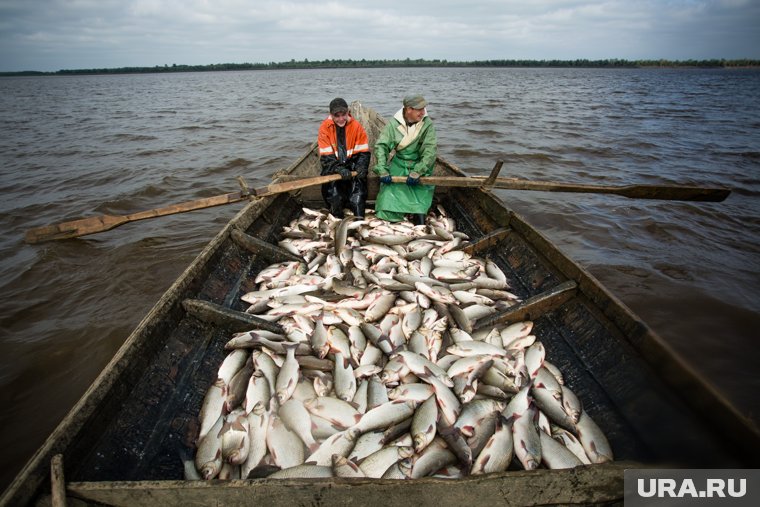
(74, 228)
(675, 193)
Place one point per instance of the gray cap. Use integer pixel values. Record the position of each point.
(337, 105)
(415, 101)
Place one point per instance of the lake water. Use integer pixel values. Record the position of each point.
(86, 145)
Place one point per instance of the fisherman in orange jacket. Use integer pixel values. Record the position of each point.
(344, 147)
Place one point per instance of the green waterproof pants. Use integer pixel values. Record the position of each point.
(394, 200)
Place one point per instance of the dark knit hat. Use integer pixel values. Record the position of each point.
(337, 105)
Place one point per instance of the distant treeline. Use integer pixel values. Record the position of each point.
(408, 62)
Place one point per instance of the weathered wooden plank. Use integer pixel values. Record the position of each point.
(584, 485)
(263, 248)
(486, 242)
(231, 319)
(57, 481)
(531, 308)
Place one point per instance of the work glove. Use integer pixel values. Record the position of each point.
(413, 179)
(345, 172)
(386, 178)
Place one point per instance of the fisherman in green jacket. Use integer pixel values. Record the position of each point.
(412, 135)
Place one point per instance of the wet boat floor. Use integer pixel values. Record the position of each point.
(143, 433)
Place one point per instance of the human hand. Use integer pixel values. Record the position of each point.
(413, 179)
(386, 178)
(345, 172)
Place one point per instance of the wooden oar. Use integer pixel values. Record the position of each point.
(92, 225)
(667, 192)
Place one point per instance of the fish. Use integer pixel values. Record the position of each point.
(258, 424)
(434, 457)
(287, 378)
(593, 440)
(555, 455)
(379, 307)
(213, 407)
(232, 363)
(385, 415)
(424, 423)
(208, 455)
(376, 464)
(297, 419)
(498, 450)
(285, 447)
(339, 412)
(342, 467)
(345, 381)
(304, 472)
(235, 437)
(339, 444)
(526, 440)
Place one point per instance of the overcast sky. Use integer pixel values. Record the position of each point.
(49, 35)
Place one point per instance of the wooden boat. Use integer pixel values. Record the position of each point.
(120, 442)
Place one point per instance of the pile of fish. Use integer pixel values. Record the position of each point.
(381, 370)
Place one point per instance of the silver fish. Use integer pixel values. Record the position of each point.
(258, 424)
(571, 403)
(448, 403)
(424, 423)
(498, 450)
(368, 443)
(556, 455)
(338, 412)
(401, 470)
(434, 457)
(379, 307)
(212, 408)
(553, 408)
(235, 437)
(345, 382)
(208, 456)
(318, 339)
(593, 440)
(571, 443)
(534, 358)
(342, 467)
(287, 378)
(376, 393)
(418, 392)
(231, 364)
(339, 444)
(286, 449)
(526, 439)
(295, 416)
(377, 463)
(264, 363)
(385, 415)
(303, 472)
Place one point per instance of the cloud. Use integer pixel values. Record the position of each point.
(55, 34)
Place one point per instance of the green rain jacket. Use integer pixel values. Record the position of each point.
(396, 199)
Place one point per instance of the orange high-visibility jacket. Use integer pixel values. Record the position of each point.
(356, 139)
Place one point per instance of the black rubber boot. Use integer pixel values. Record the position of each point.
(357, 201)
(336, 209)
(418, 219)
